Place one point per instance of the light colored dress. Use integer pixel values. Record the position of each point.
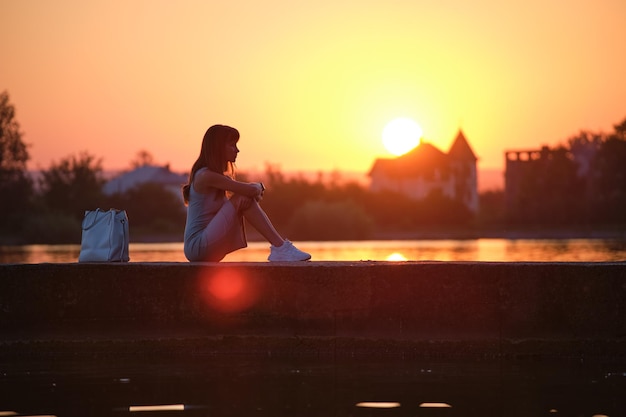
(213, 228)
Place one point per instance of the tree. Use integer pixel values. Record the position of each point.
(285, 196)
(600, 158)
(15, 184)
(391, 211)
(492, 208)
(620, 130)
(73, 185)
(142, 158)
(609, 182)
(151, 208)
(322, 220)
(438, 210)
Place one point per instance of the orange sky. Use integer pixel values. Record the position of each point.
(309, 84)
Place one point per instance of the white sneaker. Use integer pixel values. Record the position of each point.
(287, 253)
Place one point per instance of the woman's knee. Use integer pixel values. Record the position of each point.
(241, 202)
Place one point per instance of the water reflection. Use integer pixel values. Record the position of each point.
(39, 253)
(396, 257)
(435, 405)
(163, 407)
(378, 404)
(203, 384)
(483, 250)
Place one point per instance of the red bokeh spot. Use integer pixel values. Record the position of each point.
(228, 289)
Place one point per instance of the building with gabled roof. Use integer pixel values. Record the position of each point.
(426, 169)
(161, 175)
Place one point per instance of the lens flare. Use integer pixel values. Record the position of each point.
(228, 289)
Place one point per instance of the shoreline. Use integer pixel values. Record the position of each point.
(254, 236)
(472, 234)
(432, 234)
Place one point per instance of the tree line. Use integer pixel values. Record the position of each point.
(49, 209)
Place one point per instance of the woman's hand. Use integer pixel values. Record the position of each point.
(259, 190)
(243, 202)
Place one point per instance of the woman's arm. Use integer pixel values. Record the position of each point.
(205, 179)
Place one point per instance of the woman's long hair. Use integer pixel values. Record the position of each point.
(212, 154)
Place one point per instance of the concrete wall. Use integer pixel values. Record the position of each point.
(498, 339)
(375, 300)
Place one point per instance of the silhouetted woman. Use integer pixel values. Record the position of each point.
(217, 204)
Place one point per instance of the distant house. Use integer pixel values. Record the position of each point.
(534, 176)
(146, 174)
(426, 169)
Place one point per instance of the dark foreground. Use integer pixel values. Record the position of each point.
(316, 339)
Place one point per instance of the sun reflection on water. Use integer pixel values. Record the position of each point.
(396, 257)
(481, 250)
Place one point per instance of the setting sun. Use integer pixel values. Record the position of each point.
(401, 135)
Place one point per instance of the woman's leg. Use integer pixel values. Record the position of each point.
(281, 250)
(259, 220)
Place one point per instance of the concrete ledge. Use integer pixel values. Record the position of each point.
(266, 339)
(393, 301)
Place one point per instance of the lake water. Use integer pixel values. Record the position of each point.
(219, 386)
(482, 250)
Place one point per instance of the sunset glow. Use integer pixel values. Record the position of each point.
(310, 85)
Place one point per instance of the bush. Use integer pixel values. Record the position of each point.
(50, 228)
(151, 207)
(320, 220)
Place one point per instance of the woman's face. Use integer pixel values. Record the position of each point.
(231, 150)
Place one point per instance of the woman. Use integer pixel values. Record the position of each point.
(217, 204)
